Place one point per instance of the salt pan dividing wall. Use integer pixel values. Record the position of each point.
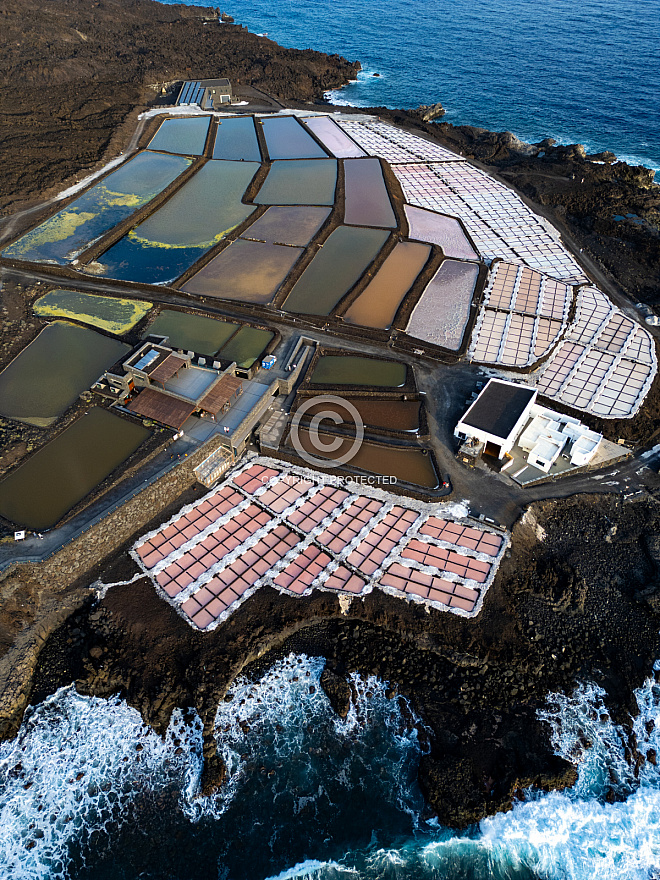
(296, 530)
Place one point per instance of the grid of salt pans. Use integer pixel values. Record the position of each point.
(499, 222)
(271, 526)
(394, 145)
(606, 363)
(523, 315)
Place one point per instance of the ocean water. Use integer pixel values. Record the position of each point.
(87, 791)
(586, 72)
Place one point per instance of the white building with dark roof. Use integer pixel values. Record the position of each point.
(497, 416)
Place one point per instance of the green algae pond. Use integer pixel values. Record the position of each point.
(299, 182)
(336, 267)
(287, 139)
(192, 332)
(49, 374)
(83, 221)
(237, 139)
(367, 199)
(409, 465)
(294, 225)
(334, 369)
(108, 313)
(50, 483)
(186, 136)
(246, 271)
(379, 302)
(174, 237)
(247, 346)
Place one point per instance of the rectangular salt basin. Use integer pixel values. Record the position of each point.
(196, 218)
(379, 302)
(336, 267)
(367, 202)
(443, 311)
(397, 415)
(41, 491)
(438, 229)
(293, 225)
(246, 271)
(299, 182)
(117, 316)
(237, 139)
(119, 195)
(192, 332)
(247, 346)
(333, 138)
(49, 374)
(186, 136)
(334, 369)
(287, 139)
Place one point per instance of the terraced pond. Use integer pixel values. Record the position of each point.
(247, 346)
(119, 195)
(379, 302)
(236, 139)
(186, 136)
(332, 369)
(49, 374)
(108, 313)
(192, 332)
(302, 182)
(197, 217)
(336, 267)
(443, 311)
(287, 139)
(50, 483)
(367, 202)
(295, 225)
(394, 415)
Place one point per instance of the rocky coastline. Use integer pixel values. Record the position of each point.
(578, 598)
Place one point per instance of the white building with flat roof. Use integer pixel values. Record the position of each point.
(497, 416)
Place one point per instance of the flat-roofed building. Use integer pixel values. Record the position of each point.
(497, 416)
(209, 94)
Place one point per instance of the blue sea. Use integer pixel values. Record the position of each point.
(582, 72)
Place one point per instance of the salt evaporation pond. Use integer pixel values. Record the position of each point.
(192, 332)
(438, 229)
(287, 139)
(119, 195)
(379, 302)
(236, 139)
(49, 374)
(294, 225)
(333, 138)
(443, 311)
(333, 369)
(414, 466)
(108, 313)
(246, 271)
(299, 182)
(336, 267)
(395, 415)
(41, 491)
(197, 217)
(367, 202)
(247, 346)
(186, 136)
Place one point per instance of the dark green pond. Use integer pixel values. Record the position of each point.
(192, 332)
(41, 491)
(367, 202)
(197, 217)
(333, 369)
(47, 376)
(287, 139)
(247, 346)
(246, 271)
(73, 229)
(186, 136)
(337, 266)
(301, 182)
(237, 139)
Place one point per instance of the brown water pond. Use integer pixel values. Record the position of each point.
(41, 491)
(336, 267)
(395, 415)
(409, 465)
(246, 271)
(367, 200)
(378, 303)
(332, 369)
